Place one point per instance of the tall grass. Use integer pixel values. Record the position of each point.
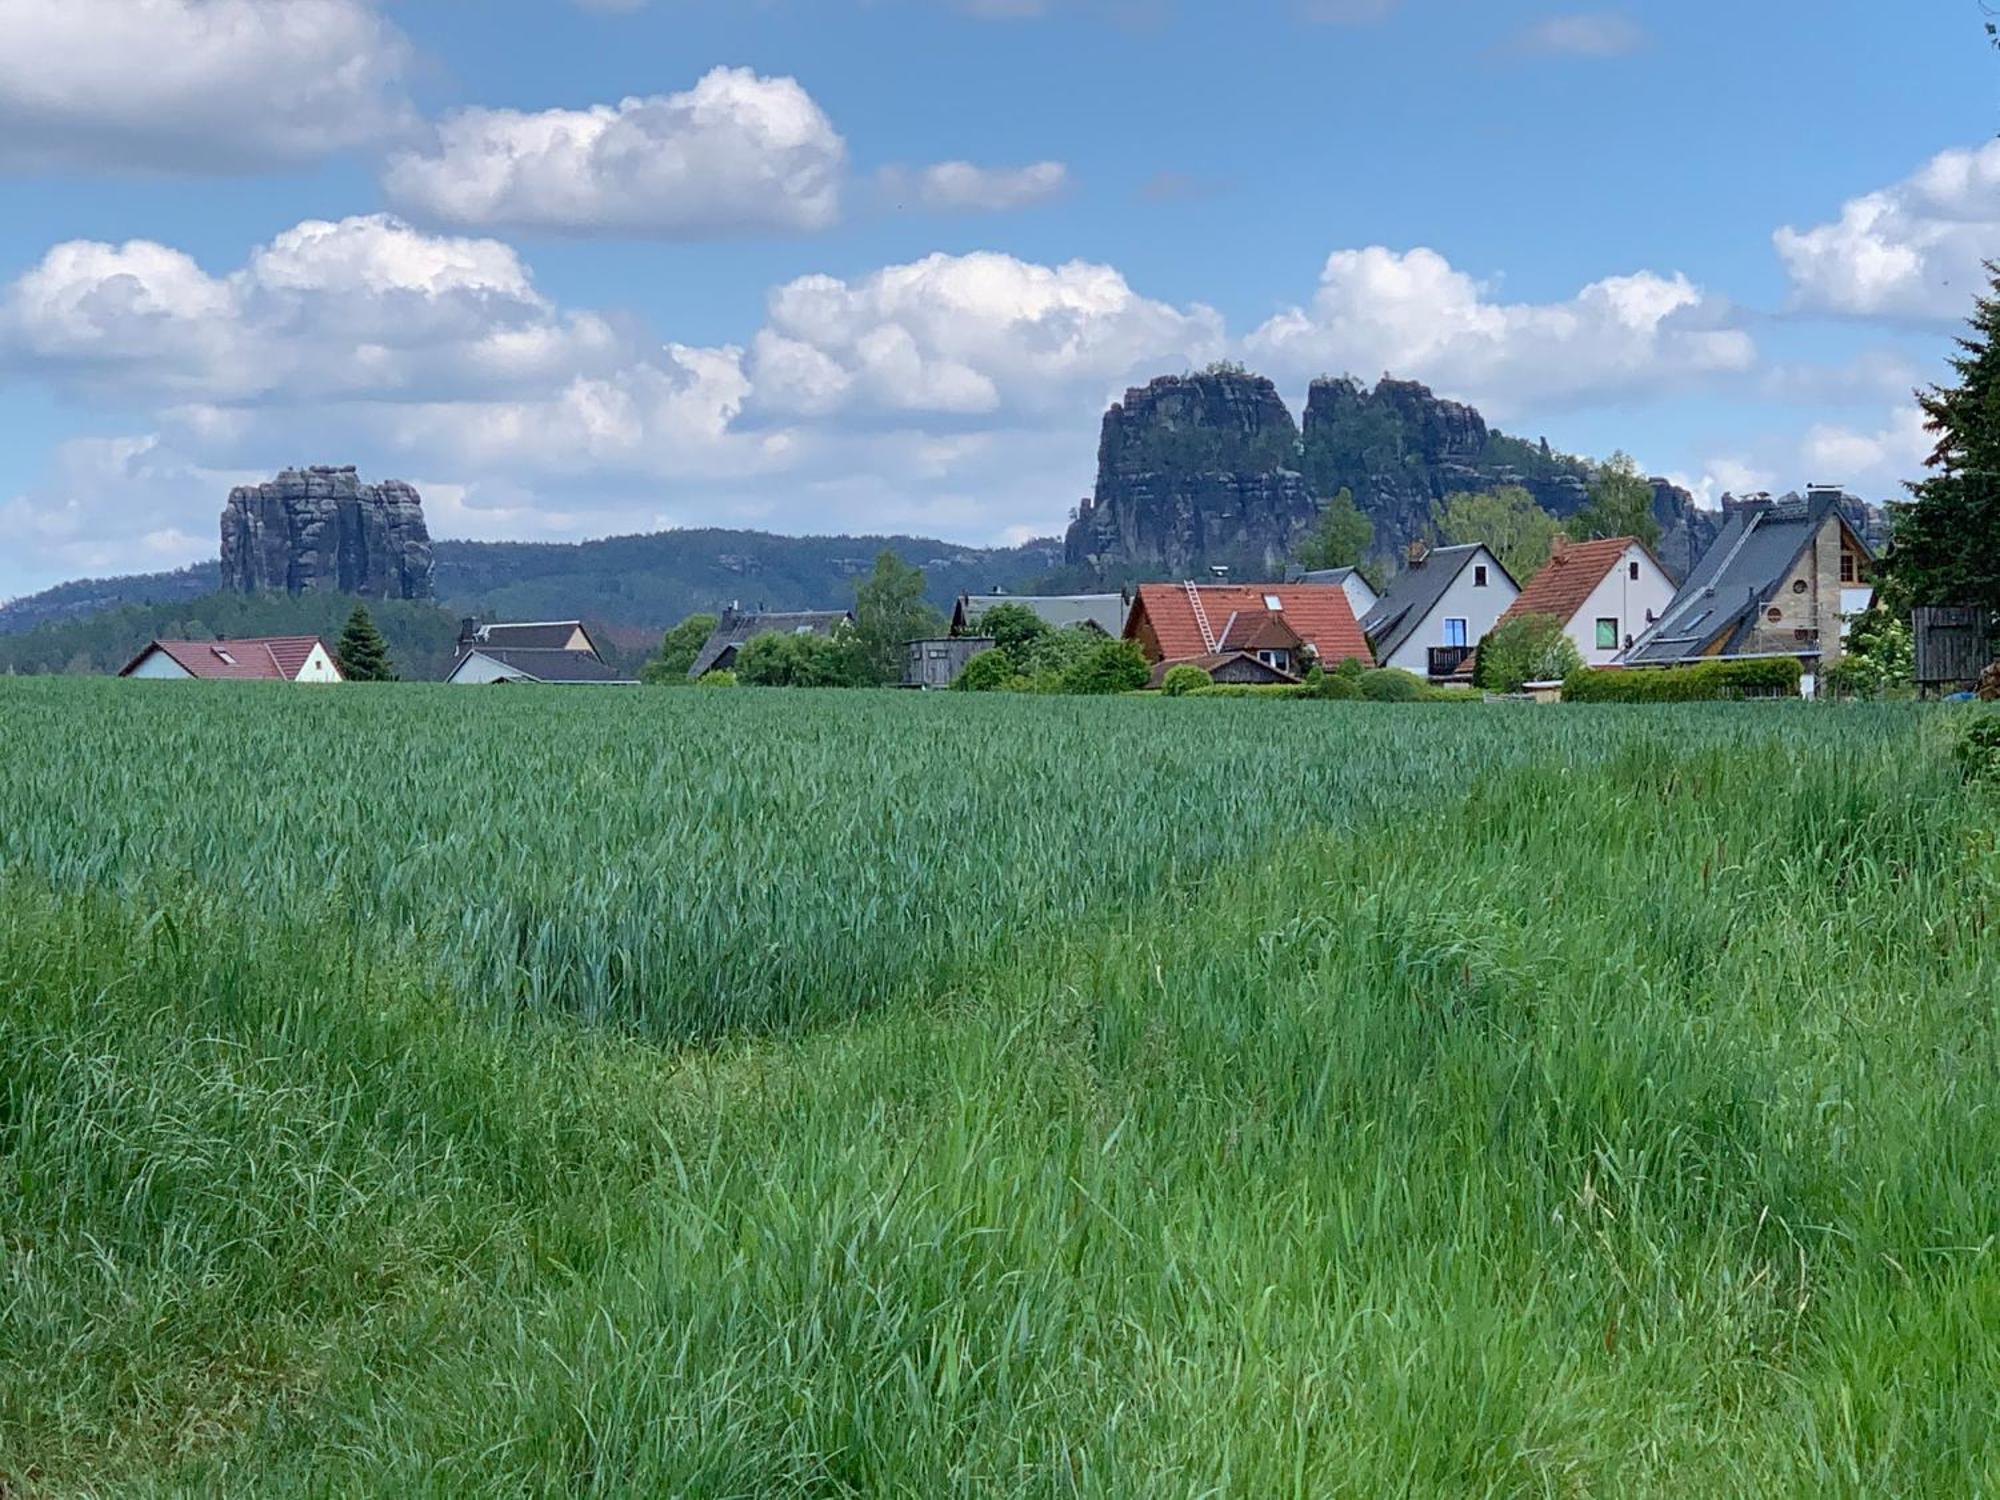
(1525, 1103)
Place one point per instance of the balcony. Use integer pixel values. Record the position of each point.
(1445, 660)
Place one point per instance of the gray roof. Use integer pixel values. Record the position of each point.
(1104, 611)
(736, 629)
(1414, 593)
(1331, 576)
(1757, 550)
(549, 666)
(539, 635)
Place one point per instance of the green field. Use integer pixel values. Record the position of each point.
(414, 1092)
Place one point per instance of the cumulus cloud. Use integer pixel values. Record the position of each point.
(194, 85)
(736, 152)
(961, 187)
(1414, 314)
(1880, 460)
(1913, 250)
(1597, 34)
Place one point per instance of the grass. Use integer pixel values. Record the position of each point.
(1127, 1098)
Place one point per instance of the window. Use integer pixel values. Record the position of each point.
(1457, 633)
(224, 655)
(1607, 635)
(1274, 604)
(1847, 569)
(1774, 615)
(1632, 571)
(1799, 585)
(1478, 582)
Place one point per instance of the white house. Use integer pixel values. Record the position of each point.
(1361, 595)
(1607, 593)
(556, 652)
(1436, 610)
(279, 658)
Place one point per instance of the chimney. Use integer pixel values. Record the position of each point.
(1561, 544)
(1419, 550)
(468, 631)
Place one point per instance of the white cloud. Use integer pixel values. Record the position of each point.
(194, 85)
(1913, 250)
(737, 152)
(1414, 314)
(1880, 461)
(967, 335)
(961, 187)
(1598, 34)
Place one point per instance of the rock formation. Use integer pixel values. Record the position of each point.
(1210, 469)
(1194, 471)
(321, 529)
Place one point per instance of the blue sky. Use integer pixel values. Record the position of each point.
(878, 264)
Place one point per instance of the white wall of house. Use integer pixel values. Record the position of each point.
(1624, 600)
(1465, 600)
(478, 669)
(319, 667)
(160, 666)
(1359, 594)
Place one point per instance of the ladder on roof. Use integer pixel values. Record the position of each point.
(1200, 617)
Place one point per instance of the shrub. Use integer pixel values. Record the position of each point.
(1978, 751)
(1336, 688)
(1108, 667)
(1453, 695)
(988, 672)
(1281, 690)
(1350, 667)
(716, 679)
(1853, 677)
(1989, 684)
(1705, 682)
(1391, 685)
(776, 660)
(1184, 679)
(1528, 648)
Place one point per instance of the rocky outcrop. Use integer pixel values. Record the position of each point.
(1194, 471)
(321, 529)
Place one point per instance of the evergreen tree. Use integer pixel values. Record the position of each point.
(362, 654)
(1340, 538)
(1947, 537)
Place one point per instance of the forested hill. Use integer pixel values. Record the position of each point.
(636, 584)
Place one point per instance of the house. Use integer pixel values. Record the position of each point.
(936, 663)
(1360, 592)
(1434, 613)
(276, 658)
(1281, 627)
(550, 652)
(1103, 613)
(1606, 593)
(1233, 667)
(737, 628)
(1780, 580)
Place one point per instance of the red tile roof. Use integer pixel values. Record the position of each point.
(1568, 579)
(276, 658)
(1319, 613)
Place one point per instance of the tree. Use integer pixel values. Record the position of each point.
(988, 672)
(1013, 628)
(1621, 504)
(1184, 679)
(363, 656)
(890, 611)
(1947, 537)
(1519, 532)
(1340, 538)
(1525, 649)
(678, 649)
(1108, 667)
(802, 660)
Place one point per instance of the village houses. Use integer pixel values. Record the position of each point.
(1437, 609)
(277, 658)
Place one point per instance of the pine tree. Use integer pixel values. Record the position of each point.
(362, 654)
(1947, 537)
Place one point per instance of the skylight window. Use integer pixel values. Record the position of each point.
(1274, 604)
(224, 655)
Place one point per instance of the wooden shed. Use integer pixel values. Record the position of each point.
(1954, 643)
(936, 663)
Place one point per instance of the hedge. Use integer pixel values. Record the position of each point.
(1704, 682)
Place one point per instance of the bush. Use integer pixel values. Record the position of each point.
(1453, 695)
(1705, 682)
(1989, 684)
(1282, 690)
(1391, 685)
(1853, 677)
(1333, 687)
(988, 672)
(1978, 752)
(1184, 679)
(716, 679)
(776, 660)
(1108, 667)
(1528, 648)
(1351, 668)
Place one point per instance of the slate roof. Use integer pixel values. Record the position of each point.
(1320, 616)
(561, 667)
(735, 629)
(1757, 550)
(1415, 592)
(273, 658)
(1060, 611)
(536, 635)
(1568, 579)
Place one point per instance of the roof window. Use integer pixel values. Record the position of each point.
(1274, 604)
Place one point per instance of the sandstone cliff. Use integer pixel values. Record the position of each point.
(1192, 471)
(322, 529)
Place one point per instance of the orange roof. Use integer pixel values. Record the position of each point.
(1318, 613)
(274, 658)
(1569, 578)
